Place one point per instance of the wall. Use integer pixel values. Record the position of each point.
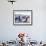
(37, 31)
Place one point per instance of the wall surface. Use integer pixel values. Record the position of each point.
(38, 29)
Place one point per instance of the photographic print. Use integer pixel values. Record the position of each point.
(22, 17)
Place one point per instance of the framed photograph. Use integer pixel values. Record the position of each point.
(22, 17)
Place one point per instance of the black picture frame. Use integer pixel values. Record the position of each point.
(17, 13)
